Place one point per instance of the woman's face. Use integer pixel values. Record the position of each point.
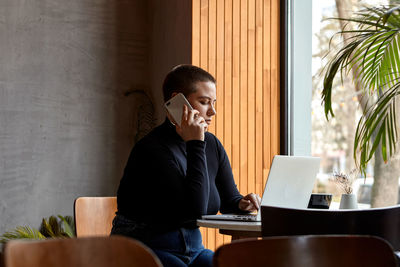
(203, 100)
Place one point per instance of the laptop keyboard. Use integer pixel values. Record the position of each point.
(247, 217)
(237, 217)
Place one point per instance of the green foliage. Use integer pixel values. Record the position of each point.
(21, 232)
(68, 224)
(372, 53)
(52, 227)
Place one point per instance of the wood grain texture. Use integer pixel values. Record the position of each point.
(266, 72)
(259, 108)
(251, 56)
(196, 26)
(227, 111)
(115, 251)
(94, 215)
(219, 118)
(243, 54)
(235, 159)
(244, 161)
(275, 66)
(328, 251)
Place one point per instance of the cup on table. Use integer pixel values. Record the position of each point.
(320, 201)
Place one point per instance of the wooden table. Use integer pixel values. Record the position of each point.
(236, 229)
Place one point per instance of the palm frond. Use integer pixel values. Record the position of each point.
(68, 226)
(373, 52)
(336, 64)
(48, 228)
(378, 65)
(377, 126)
(53, 227)
(59, 226)
(21, 232)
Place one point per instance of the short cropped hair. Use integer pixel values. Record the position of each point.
(183, 79)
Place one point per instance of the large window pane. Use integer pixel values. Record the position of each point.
(333, 140)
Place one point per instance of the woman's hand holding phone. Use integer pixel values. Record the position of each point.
(192, 126)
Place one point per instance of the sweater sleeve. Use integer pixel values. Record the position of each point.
(160, 183)
(197, 187)
(225, 183)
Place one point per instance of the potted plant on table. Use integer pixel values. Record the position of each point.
(345, 182)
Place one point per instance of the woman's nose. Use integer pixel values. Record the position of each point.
(211, 111)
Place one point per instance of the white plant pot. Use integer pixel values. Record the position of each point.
(348, 201)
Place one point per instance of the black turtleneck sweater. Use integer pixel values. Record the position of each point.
(169, 183)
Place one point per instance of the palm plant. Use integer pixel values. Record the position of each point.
(372, 53)
(60, 226)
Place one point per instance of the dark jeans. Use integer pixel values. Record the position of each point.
(182, 247)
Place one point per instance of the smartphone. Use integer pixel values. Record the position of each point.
(174, 107)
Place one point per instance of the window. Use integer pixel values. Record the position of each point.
(333, 140)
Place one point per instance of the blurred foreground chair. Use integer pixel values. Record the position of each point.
(94, 215)
(309, 251)
(382, 222)
(115, 251)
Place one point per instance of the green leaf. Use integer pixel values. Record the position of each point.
(21, 232)
(53, 227)
(68, 225)
(381, 117)
(46, 229)
(372, 54)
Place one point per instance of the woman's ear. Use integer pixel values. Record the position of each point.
(174, 94)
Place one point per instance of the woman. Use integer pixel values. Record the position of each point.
(176, 174)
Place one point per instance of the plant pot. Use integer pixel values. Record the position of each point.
(348, 201)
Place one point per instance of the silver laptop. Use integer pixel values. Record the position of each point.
(290, 183)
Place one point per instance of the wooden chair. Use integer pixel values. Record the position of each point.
(310, 251)
(115, 251)
(94, 215)
(382, 222)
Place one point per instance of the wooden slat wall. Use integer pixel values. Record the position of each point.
(238, 42)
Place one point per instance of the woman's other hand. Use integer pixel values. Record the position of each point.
(192, 126)
(250, 202)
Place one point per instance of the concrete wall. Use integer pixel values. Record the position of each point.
(66, 124)
(170, 45)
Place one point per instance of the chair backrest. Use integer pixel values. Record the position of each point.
(115, 251)
(310, 251)
(94, 215)
(382, 222)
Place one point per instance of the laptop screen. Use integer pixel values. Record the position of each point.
(290, 181)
